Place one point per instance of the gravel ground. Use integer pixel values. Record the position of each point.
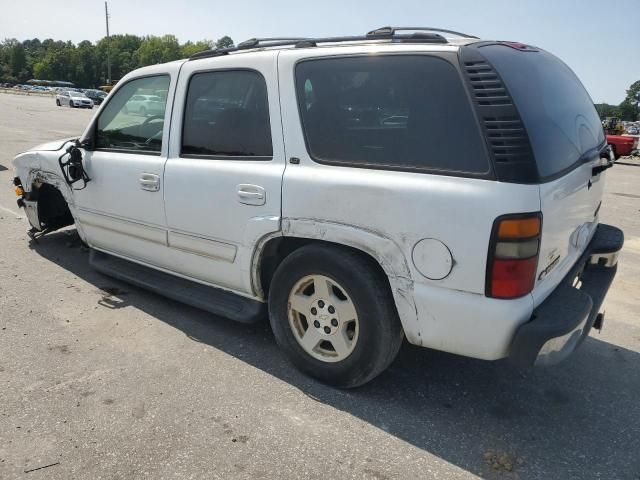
(101, 380)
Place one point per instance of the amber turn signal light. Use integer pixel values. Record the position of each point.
(19, 191)
(519, 228)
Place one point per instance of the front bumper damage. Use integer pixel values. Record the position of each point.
(560, 323)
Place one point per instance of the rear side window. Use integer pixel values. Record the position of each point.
(403, 112)
(557, 112)
(227, 114)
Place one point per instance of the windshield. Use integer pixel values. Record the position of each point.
(558, 113)
(77, 94)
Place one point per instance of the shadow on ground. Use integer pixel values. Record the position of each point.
(580, 419)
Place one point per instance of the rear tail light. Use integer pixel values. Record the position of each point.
(513, 255)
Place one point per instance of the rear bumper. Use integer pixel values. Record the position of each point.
(564, 319)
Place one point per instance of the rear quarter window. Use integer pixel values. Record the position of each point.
(407, 112)
(558, 113)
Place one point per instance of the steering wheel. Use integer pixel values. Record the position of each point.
(147, 121)
(155, 136)
(150, 119)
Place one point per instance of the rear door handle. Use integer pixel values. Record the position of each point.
(251, 194)
(150, 182)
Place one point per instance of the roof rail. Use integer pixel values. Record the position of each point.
(415, 38)
(391, 31)
(422, 35)
(258, 42)
(248, 44)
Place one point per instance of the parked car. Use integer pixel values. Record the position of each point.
(97, 96)
(146, 105)
(73, 99)
(622, 145)
(320, 187)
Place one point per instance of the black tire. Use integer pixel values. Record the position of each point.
(71, 104)
(380, 332)
(58, 103)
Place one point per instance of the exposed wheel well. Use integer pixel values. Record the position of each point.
(278, 248)
(53, 210)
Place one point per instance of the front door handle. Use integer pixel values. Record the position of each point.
(251, 194)
(150, 182)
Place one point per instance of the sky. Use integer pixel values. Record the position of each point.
(598, 39)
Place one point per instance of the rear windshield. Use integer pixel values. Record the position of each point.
(398, 112)
(558, 113)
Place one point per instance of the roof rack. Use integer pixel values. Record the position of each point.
(420, 35)
(391, 31)
(264, 42)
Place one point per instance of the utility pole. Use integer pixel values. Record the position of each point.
(106, 16)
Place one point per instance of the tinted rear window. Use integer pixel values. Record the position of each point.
(227, 114)
(406, 112)
(558, 113)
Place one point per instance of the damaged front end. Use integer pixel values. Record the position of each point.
(40, 196)
(50, 172)
(45, 208)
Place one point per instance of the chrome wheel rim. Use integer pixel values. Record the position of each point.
(323, 318)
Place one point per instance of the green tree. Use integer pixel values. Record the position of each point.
(17, 59)
(605, 110)
(158, 50)
(224, 42)
(191, 48)
(57, 63)
(86, 64)
(633, 94)
(122, 50)
(628, 111)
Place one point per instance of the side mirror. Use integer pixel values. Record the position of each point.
(72, 169)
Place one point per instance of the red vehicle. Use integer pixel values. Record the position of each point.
(622, 145)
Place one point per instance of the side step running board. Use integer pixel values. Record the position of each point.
(213, 300)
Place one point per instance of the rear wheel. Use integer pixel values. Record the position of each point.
(58, 102)
(332, 313)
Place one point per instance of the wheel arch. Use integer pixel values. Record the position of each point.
(379, 249)
(35, 178)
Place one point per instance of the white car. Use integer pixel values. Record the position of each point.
(73, 99)
(146, 105)
(360, 190)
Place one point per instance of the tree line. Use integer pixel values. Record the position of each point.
(85, 64)
(628, 109)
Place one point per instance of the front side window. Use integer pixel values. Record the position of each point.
(130, 121)
(405, 112)
(227, 114)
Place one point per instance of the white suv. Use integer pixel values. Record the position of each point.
(362, 189)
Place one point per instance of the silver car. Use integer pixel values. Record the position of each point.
(73, 99)
(145, 105)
